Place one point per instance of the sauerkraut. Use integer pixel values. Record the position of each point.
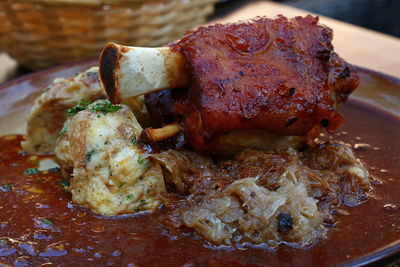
(244, 199)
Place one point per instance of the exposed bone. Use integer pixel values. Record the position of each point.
(127, 72)
(156, 135)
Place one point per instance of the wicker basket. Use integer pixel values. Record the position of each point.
(43, 33)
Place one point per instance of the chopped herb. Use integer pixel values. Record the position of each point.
(47, 221)
(241, 73)
(143, 201)
(291, 91)
(129, 197)
(5, 187)
(88, 156)
(106, 142)
(291, 121)
(134, 141)
(22, 153)
(64, 183)
(54, 170)
(91, 73)
(36, 163)
(105, 106)
(76, 74)
(41, 180)
(141, 160)
(82, 105)
(148, 190)
(63, 130)
(98, 116)
(121, 184)
(137, 210)
(31, 171)
(285, 223)
(324, 122)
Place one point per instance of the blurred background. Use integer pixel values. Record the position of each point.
(378, 15)
(43, 33)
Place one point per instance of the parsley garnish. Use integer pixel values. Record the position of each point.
(129, 197)
(91, 73)
(105, 106)
(5, 187)
(54, 170)
(64, 183)
(47, 221)
(134, 141)
(88, 156)
(63, 130)
(141, 160)
(121, 184)
(31, 171)
(82, 105)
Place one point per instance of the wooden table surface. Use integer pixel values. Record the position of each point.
(357, 45)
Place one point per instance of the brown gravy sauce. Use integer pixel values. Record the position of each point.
(39, 224)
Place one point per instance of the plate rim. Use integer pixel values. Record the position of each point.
(52, 69)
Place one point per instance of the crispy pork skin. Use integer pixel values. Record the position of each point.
(279, 75)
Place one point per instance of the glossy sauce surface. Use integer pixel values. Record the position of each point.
(39, 224)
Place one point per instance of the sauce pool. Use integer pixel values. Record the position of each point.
(39, 224)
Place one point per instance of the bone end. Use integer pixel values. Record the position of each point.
(128, 72)
(108, 67)
(157, 135)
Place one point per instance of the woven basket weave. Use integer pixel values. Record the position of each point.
(43, 33)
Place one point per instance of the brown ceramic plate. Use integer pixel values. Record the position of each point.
(370, 233)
